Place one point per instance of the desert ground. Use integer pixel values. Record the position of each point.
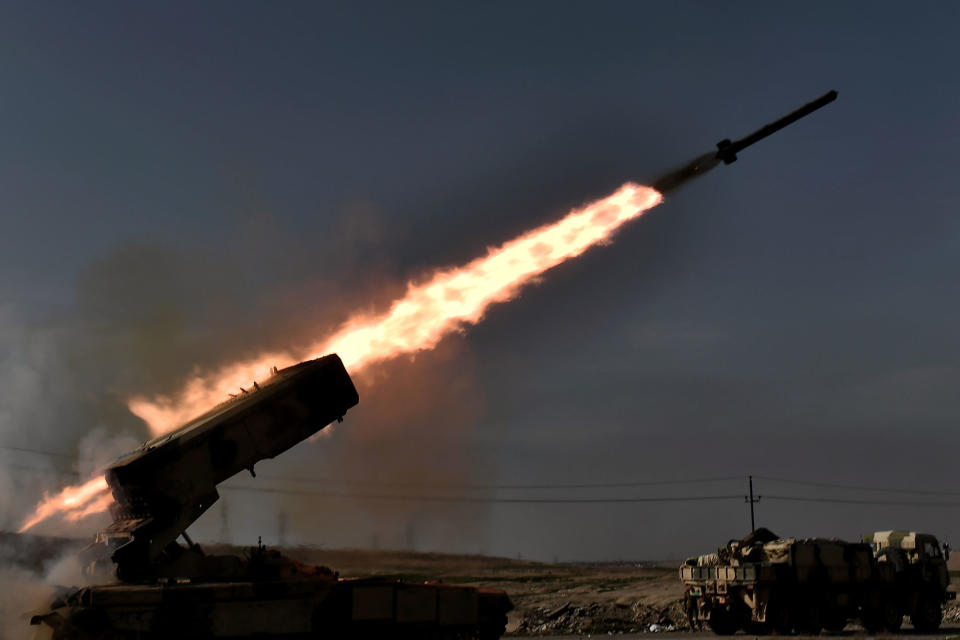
(553, 599)
(550, 599)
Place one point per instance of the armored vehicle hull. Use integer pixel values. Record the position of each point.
(311, 607)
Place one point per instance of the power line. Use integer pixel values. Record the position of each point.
(41, 470)
(603, 500)
(457, 486)
(896, 503)
(494, 487)
(553, 486)
(476, 499)
(429, 485)
(853, 487)
(37, 451)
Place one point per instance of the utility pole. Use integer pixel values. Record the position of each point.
(752, 501)
(281, 529)
(224, 522)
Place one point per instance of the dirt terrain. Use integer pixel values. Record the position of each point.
(557, 598)
(550, 598)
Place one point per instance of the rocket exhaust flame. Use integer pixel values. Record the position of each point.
(98, 505)
(74, 502)
(449, 300)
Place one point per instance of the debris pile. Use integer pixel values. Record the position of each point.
(951, 613)
(601, 617)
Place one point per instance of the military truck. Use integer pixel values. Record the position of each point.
(162, 589)
(764, 583)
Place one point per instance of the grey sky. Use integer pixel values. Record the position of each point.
(182, 183)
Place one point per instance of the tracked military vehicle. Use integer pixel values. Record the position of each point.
(163, 588)
(764, 584)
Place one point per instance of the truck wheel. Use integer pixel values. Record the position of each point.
(834, 621)
(891, 618)
(879, 612)
(778, 618)
(757, 629)
(870, 625)
(722, 622)
(928, 614)
(808, 619)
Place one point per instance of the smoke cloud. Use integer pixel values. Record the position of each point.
(145, 316)
(412, 433)
(33, 571)
(23, 591)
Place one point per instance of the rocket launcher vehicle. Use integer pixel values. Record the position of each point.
(170, 590)
(164, 486)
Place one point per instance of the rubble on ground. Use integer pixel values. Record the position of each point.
(951, 613)
(601, 618)
(618, 617)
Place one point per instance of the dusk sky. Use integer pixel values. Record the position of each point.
(186, 184)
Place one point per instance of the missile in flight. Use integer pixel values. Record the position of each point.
(727, 151)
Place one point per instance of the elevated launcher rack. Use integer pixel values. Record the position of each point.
(164, 486)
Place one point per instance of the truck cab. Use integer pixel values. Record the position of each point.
(912, 549)
(917, 566)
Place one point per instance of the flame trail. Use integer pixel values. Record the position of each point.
(98, 505)
(446, 302)
(72, 501)
(449, 300)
